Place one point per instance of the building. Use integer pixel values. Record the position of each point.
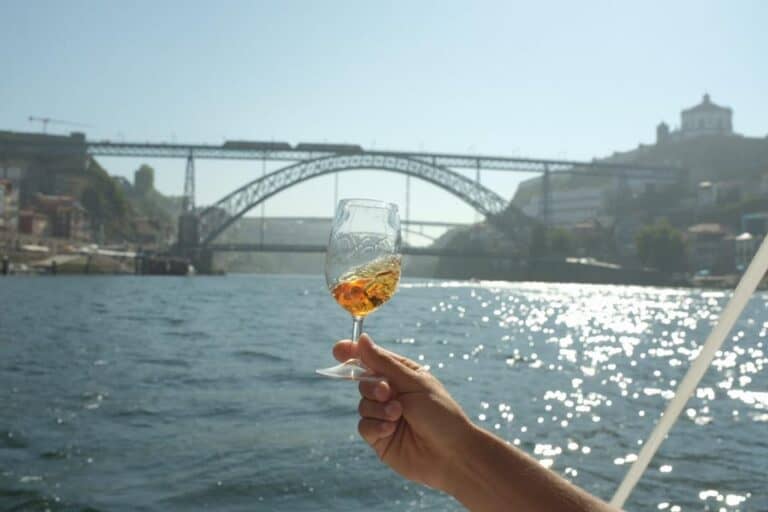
(12, 173)
(706, 118)
(568, 206)
(32, 223)
(745, 247)
(721, 192)
(705, 194)
(43, 163)
(755, 223)
(708, 248)
(9, 206)
(66, 217)
(144, 180)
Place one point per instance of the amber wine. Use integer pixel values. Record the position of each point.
(365, 288)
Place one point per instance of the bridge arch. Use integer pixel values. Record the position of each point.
(218, 217)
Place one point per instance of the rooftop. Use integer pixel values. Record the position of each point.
(745, 236)
(706, 105)
(707, 229)
(51, 201)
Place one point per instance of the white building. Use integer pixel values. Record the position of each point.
(745, 247)
(706, 118)
(568, 207)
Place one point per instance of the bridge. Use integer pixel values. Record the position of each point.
(310, 160)
(200, 227)
(318, 248)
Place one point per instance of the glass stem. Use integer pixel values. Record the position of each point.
(357, 327)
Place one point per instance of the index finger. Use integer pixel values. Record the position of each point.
(345, 350)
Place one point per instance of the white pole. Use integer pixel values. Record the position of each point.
(744, 290)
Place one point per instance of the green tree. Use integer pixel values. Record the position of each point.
(546, 242)
(661, 246)
(560, 241)
(538, 247)
(106, 204)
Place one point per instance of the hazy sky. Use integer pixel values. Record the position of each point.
(547, 79)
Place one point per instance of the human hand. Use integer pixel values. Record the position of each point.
(410, 420)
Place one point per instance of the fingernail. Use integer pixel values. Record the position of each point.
(387, 426)
(392, 409)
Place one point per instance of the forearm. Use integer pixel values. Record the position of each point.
(488, 475)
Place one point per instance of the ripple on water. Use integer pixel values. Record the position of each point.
(612, 347)
(175, 363)
(259, 356)
(12, 440)
(576, 375)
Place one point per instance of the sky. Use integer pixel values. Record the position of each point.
(546, 79)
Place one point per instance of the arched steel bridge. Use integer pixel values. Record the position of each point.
(218, 217)
(308, 160)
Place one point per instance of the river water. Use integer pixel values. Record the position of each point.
(122, 393)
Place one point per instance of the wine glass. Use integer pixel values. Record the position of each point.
(362, 267)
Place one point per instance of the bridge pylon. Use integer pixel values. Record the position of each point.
(189, 231)
(188, 236)
(188, 199)
(188, 244)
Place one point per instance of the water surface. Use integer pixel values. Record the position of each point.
(194, 393)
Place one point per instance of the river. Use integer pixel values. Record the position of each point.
(139, 393)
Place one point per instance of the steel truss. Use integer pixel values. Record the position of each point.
(450, 160)
(216, 218)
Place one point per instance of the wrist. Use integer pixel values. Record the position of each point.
(460, 471)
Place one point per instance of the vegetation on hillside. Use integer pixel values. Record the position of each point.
(123, 213)
(709, 158)
(662, 247)
(109, 209)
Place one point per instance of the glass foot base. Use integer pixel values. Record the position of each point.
(352, 369)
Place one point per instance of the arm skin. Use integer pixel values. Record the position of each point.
(417, 429)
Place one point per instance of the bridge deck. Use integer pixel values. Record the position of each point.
(303, 152)
(312, 248)
(450, 160)
(406, 222)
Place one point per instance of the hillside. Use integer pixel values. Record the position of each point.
(706, 158)
(122, 212)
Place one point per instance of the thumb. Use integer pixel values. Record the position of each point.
(387, 364)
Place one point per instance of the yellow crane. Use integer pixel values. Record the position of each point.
(44, 121)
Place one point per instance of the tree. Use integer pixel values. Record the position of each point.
(546, 242)
(661, 246)
(538, 245)
(106, 204)
(560, 242)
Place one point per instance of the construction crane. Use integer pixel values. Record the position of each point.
(45, 120)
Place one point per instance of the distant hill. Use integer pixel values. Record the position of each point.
(714, 158)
